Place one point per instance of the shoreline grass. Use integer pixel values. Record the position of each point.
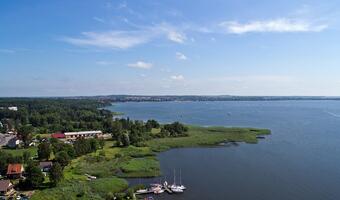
(208, 136)
(112, 164)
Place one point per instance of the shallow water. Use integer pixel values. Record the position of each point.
(300, 160)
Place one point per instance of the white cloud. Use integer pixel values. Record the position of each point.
(275, 25)
(180, 56)
(112, 39)
(176, 36)
(177, 77)
(103, 62)
(122, 39)
(141, 65)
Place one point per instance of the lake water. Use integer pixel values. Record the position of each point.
(300, 160)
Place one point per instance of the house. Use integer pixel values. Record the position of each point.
(58, 135)
(83, 134)
(6, 187)
(13, 108)
(45, 166)
(14, 142)
(15, 171)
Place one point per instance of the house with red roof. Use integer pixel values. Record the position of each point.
(15, 171)
(58, 135)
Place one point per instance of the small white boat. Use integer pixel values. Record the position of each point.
(176, 190)
(182, 187)
(157, 190)
(160, 191)
(142, 191)
(90, 177)
(155, 185)
(174, 186)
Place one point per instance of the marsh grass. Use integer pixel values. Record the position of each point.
(112, 162)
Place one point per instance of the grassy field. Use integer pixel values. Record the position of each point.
(97, 189)
(19, 152)
(207, 136)
(140, 167)
(111, 164)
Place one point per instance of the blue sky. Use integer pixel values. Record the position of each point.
(236, 47)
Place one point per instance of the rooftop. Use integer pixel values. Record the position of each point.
(4, 185)
(58, 135)
(83, 132)
(45, 164)
(14, 169)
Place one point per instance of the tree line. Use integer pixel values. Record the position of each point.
(135, 132)
(50, 115)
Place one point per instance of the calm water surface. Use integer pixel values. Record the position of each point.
(300, 160)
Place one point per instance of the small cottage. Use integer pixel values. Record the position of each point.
(15, 171)
(45, 166)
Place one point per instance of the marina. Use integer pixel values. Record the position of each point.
(158, 188)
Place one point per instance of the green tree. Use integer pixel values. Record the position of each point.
(101, 143)
(34, 176)
(117, 131)
(56, 174)
(151, 123)
(25, 133)
(62, 158)
(93, 144)
(82, 146)
(26, 156)
(126, 140)
(68, 148)
(44, 151)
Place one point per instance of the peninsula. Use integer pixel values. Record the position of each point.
(94, 164)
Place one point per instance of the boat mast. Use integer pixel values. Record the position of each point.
(174, 176)
(180, 176)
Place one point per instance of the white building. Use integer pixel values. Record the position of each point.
(13, 108)
(82, 134)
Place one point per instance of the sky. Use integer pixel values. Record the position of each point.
(169, 47)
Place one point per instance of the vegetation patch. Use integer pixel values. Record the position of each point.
(204, 136)
(20, 152)
(141, 167)
(72, 190)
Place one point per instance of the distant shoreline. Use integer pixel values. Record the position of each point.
(185, 98)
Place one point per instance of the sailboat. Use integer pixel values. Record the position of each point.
(181, 186)
(175, 188)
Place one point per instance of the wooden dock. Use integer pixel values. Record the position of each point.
(166, 188)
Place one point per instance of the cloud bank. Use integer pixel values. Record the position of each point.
(275, 25)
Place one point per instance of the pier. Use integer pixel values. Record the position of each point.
(167, 189)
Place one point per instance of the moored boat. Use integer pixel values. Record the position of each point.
(176, 189)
